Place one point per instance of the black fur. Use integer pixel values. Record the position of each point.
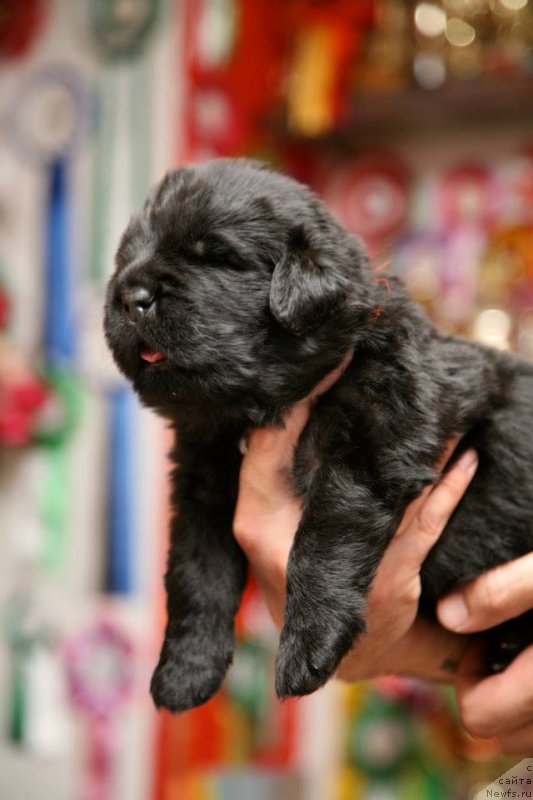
(258, 292)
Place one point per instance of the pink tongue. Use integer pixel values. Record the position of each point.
(152, 356)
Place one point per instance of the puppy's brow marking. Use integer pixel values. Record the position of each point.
(199, 248)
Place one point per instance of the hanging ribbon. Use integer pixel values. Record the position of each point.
(49, 118)
(59, 327)
(328, 41)
(468, 202)
(20, 644)
(4, 307)
(120, 566)
(121, 29)
(36, 719)
(20, 25)
(119, 33)
(419, 259)
(60, 349)
(99, 670)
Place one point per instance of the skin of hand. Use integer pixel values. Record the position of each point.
(266, 519)
(499, 705)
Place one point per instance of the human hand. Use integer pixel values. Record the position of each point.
(266, 519)
(499, 705)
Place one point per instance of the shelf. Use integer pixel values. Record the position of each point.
(486, 101)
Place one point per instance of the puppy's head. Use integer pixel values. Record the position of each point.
(234, 287)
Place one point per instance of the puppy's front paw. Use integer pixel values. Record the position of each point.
(308, 656)
(190, 671)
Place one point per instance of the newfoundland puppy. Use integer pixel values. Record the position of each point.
(235, 292)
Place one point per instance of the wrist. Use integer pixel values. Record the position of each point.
(428, 651)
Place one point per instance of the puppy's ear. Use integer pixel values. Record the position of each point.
(305, 288)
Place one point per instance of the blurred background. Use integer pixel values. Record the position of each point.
(414, 120)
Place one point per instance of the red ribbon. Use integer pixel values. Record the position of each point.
(20, 23)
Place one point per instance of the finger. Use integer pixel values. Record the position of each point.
(414, 507)
(498, 704)
(498, 595)
(401, 563)
(434, 512)
(272, 449)
(333, 376)
(412, 510)
(447, 453)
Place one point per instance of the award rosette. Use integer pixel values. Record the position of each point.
(47, 121)
(420, 260)
(51, 114)
(371, 196)
(468, 194)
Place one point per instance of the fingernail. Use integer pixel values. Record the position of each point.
(468, 461)
(453, 612)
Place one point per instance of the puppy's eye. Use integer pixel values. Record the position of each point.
(215, 253)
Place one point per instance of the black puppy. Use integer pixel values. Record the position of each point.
(235, 292)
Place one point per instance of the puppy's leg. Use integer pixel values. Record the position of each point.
(204, 580)
(339, 543)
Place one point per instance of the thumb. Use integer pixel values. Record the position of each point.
(496, 596)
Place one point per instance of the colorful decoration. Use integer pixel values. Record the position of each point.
(34, 408)
(23, 396)
(327, 44)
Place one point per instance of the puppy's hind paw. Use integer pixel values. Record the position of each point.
(297, 676)
(183, 680)
(302, 667)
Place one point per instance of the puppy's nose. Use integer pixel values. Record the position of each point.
(136, 301)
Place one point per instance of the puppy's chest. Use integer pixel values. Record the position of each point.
(306, 463)
(346, 427)
(326, 438)
(385, 453)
